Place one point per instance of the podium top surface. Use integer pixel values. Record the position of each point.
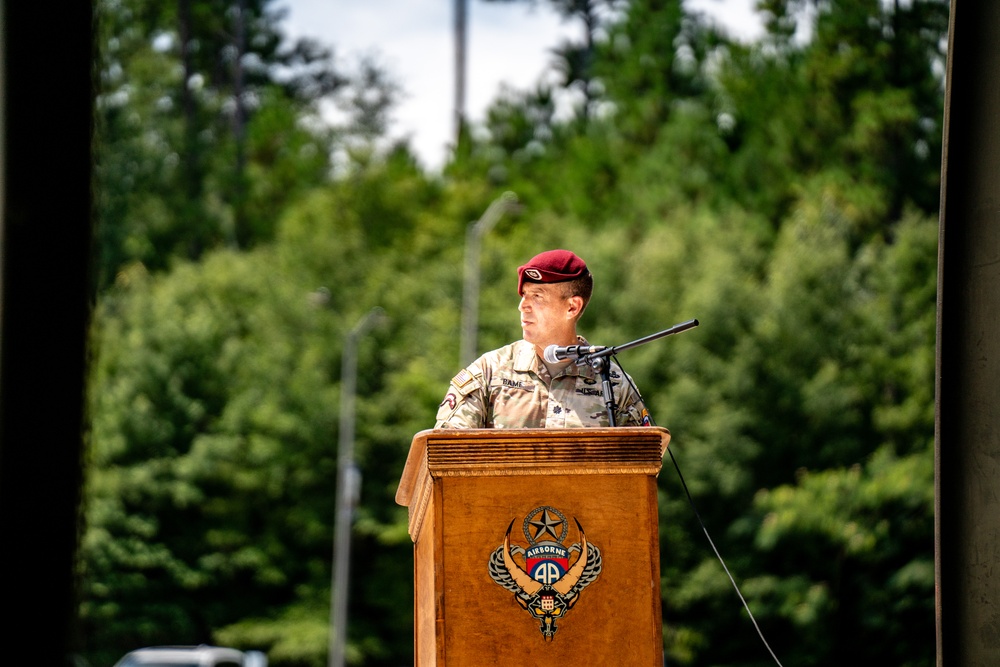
(474, 452)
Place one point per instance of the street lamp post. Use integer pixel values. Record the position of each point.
(460, 43)
(470, 298)
(348, 489)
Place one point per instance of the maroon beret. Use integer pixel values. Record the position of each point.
(551, 266)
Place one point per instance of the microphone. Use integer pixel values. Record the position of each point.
(554, 354)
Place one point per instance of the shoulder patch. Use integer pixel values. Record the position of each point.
(463, 378)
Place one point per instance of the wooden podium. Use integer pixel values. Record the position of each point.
(535, 546)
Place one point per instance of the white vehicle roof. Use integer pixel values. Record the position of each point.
(183, 656)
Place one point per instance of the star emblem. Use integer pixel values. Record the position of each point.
(546, 525)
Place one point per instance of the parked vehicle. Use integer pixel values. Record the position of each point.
(192, 656)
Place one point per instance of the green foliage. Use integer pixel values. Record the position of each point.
(649, 61)
(806, 388)
(298, 636)
(863, 530)
(783, 193)
(864, 93)
(215, 402)
(195, 452)
(209, 126)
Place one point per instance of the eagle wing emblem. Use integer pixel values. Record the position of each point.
(545, 601)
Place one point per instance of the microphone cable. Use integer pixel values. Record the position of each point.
(704, 529)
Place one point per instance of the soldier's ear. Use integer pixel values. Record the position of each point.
(574, 306)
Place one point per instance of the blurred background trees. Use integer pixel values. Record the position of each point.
(783, 192)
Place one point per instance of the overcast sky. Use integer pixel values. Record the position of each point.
(506, 43)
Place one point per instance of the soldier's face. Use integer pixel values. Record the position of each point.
(547, 317)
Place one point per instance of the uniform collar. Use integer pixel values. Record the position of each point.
(526, 360)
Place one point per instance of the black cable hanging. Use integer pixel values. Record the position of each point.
(604, 352)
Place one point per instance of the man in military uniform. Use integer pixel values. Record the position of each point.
(515, 387)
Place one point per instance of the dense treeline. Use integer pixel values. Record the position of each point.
(782, 192)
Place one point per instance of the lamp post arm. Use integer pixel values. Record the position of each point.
(470, 293)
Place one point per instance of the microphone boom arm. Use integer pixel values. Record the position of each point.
(608, 351)
(598, 361)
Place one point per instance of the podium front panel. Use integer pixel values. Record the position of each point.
(546, 550)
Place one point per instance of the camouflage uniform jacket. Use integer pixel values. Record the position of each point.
(511, 388)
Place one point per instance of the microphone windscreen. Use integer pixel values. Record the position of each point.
(550, 354)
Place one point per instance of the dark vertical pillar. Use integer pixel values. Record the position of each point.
(45, 236)
(967, 432)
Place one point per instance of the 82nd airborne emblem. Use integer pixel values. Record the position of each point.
(546, 586)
